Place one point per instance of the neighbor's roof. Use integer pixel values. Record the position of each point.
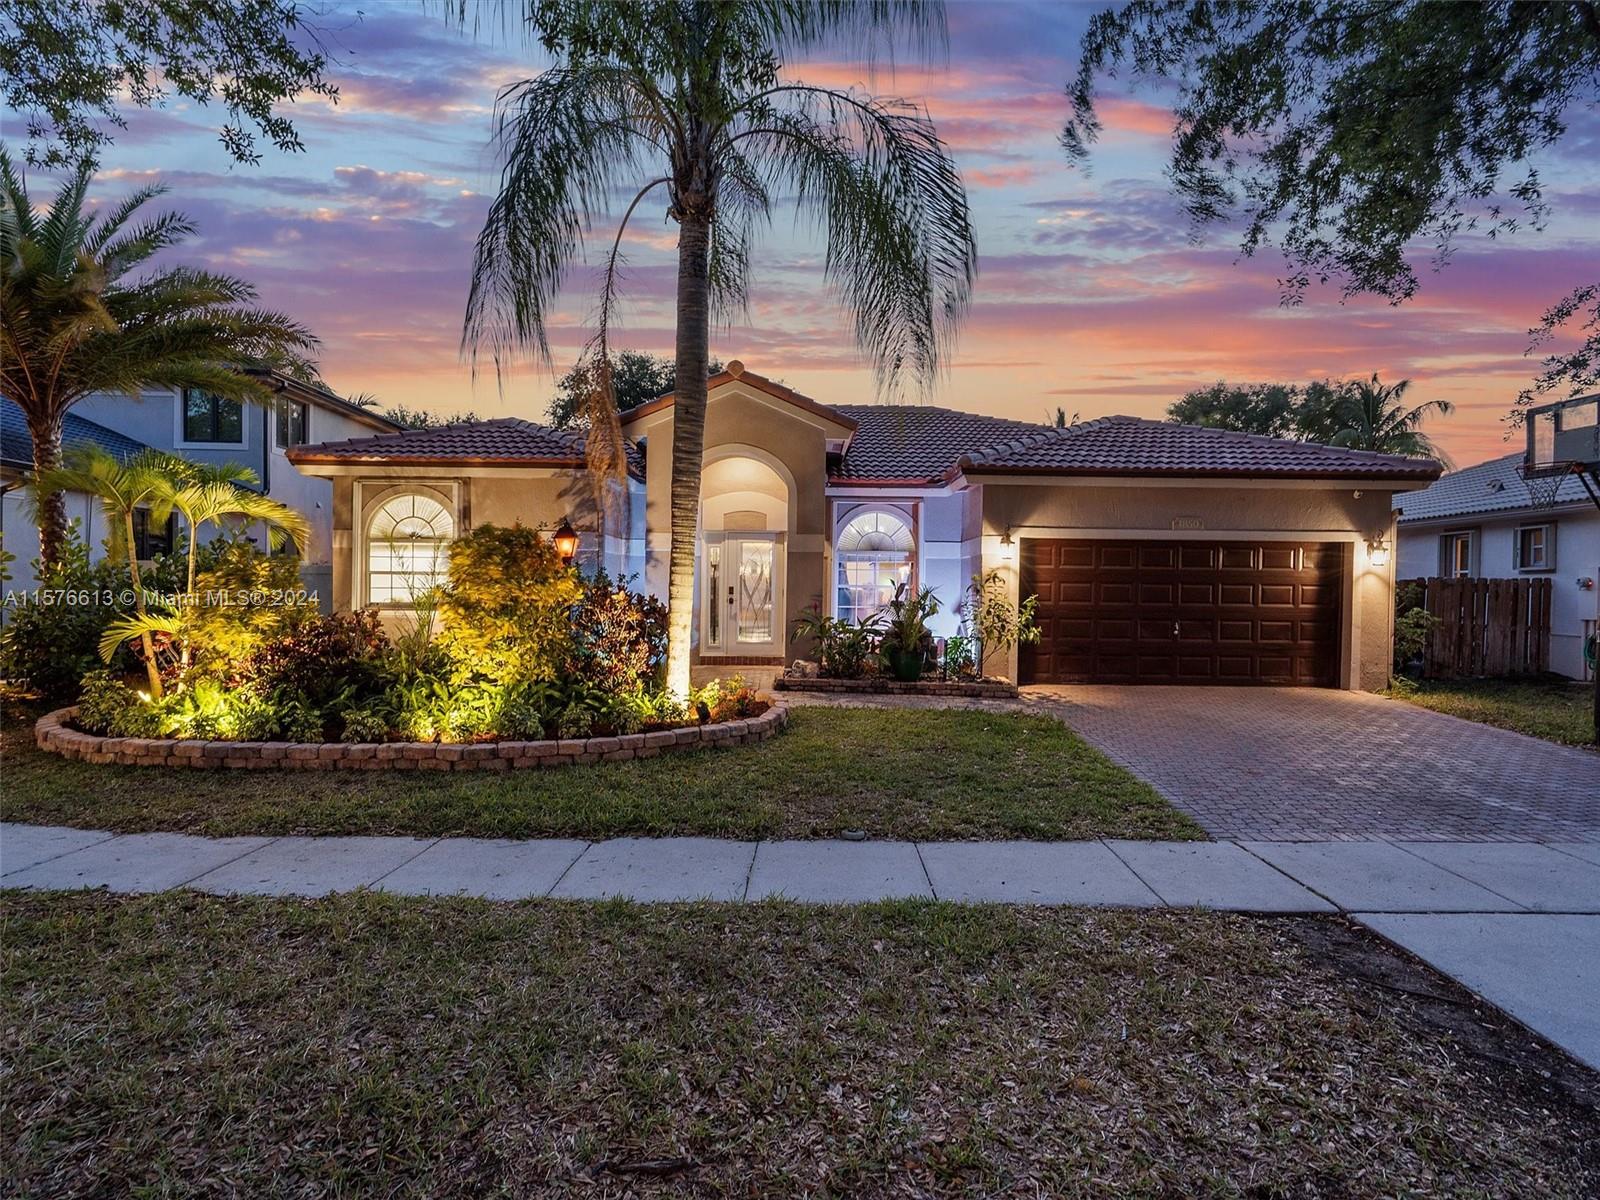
(16, 444)
(1138, 446)
(1493, 486)
(509, 441)
(898, 443)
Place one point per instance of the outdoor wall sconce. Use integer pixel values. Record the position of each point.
(1586, 583)
(1378, 552)
(566, 540)
(1008, 548)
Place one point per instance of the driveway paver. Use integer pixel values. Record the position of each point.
(661, 869)
(137, 862)
(494, 869)
(1314, 764)
(1543, 969)
(1378, 877)
(1534, 876)
(1216, 875)
(838, 872)
(1032, 873)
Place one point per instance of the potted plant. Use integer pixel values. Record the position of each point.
(907, 642)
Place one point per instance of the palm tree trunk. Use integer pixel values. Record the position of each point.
(688, 434)
(46, 434)
(152, 672)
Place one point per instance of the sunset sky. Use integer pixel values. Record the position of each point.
(1091, 294)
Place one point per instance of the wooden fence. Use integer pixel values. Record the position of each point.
(1487, 627)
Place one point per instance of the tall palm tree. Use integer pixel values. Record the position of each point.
(72, 323)
(122, 487)
(691, 97)
(1373, 416)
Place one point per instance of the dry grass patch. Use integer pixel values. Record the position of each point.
(383, 1046)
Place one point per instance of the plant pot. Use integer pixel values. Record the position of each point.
(905, 665)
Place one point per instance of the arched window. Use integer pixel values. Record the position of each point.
(874, 553)
(408, 548)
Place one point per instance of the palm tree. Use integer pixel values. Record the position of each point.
(1373, 416)
(72, 323)
(214, 494)
(690, 96)
(122, 487)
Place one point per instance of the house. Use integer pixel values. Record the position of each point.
(209, 429)
(1481, 522)
(19, 532)
(1160, 553)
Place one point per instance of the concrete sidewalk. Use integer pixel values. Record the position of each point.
(1518, 923)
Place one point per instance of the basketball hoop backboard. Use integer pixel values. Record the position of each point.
(1563, 440)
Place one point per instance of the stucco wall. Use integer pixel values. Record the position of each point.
(1577, 556)
(743, 421)
(1227, 510)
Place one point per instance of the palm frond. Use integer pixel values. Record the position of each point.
(135, 626)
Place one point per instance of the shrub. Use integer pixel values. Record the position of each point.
(991, 620)
(365, 723)
(102, 696)
(507, 608)
(247, 599)
(327, 661)
(619, 636)
(1413, 625)
(843, 648)
(51, 638)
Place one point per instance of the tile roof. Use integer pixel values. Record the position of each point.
(1489, 487)
(507, 440)
(735, 370)
(16, 444)
(1138, 446)
(913, 443)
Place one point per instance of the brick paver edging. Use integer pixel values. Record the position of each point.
(993, 689)
(53, 733)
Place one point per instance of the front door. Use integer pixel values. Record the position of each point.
(742, 610)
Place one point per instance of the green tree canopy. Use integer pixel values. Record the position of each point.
(1349, 132)
(70, 65)
(1362, 414)
(636, 378)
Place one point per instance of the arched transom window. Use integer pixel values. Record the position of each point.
(875, 555)
(408, 548)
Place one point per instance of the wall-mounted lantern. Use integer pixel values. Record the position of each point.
(1378, 552)
(1008, 548)
(566, 540)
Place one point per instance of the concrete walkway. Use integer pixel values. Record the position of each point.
(1518, 923)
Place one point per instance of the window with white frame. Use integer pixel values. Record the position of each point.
(1455, 554)
(408, 548)
(874, 553)
(1536, 548)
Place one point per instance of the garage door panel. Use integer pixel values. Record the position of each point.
(1184, 611)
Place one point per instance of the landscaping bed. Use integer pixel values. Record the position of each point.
(56, 734)
(989, 689)
(1558, 710)
(932, 774)
(388, 1046)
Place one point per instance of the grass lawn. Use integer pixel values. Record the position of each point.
(1554, 709)
(371, 1045)
(925, 774)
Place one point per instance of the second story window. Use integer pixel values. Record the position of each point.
(294, 421)
(208, 418)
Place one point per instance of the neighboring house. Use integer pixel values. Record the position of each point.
(1480, 522)
(19, 531)
(1160, 553)
(208, 429)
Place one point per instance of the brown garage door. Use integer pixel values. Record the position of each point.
(1183, 612)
